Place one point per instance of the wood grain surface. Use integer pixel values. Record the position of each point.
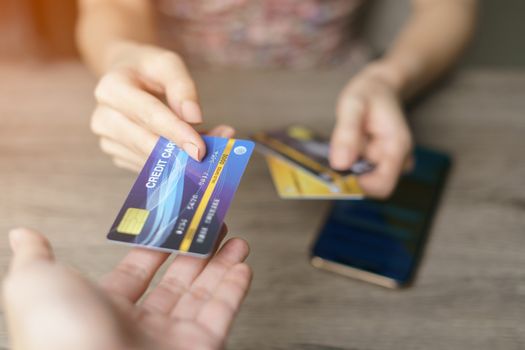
(470, 292)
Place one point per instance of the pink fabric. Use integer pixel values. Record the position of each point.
(258, 33)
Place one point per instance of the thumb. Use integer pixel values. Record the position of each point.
(49, 307)
(347, 136)
(28, 247)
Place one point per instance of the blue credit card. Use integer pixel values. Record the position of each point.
(179, 204)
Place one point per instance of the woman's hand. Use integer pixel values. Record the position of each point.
(51, 307)
(147, 92)
(370, 123)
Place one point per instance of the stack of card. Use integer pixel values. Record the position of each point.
(179, 204)
(298, 161)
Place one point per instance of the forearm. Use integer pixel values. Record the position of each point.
(431, 41)
(104, 26)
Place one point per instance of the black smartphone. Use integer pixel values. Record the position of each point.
(382, 241)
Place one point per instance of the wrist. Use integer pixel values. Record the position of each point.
(390, 74)
(117, 52)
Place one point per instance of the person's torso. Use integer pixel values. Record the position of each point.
(258, 33)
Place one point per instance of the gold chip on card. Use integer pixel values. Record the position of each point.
(133, 221)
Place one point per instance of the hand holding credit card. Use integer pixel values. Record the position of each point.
(179, 204)
(298, 161)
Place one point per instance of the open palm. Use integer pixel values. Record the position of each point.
(192, 306)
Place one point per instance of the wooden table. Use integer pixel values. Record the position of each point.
(470, 293)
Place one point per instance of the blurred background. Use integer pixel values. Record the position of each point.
(44, 29)
(470, 293)
(37, 29)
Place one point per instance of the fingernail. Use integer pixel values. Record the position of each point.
(191, 112)
(192, 150)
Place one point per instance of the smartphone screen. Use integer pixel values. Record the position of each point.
(382, 241)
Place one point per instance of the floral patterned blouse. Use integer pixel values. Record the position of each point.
(259, 33)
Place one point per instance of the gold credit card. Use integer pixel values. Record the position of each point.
(293, 182)
(303, 148)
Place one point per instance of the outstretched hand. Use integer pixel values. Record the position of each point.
(371, 123)
(145, 93)
(51, 307)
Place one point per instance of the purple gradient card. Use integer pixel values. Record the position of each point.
(179, 204)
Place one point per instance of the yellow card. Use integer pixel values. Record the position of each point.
(293, 182)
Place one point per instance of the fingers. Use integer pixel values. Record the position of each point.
(190, 110)
(132, 276)
(168, 70)
(222, 131)
(176, 281)
(117, 150)
(121, 92)
(48, 306)
(29, 247)
(134, 142)
(347, 137)
(390, 161)
(122, 157)
(218, 313)
(389, 148)
(370, 122)
(130, 114)
(110, 124)
(233, 252)
(131, 166)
